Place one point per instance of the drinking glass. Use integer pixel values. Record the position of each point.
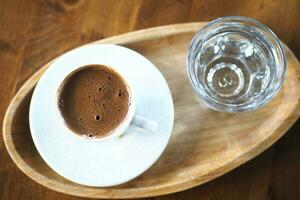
(236, 64)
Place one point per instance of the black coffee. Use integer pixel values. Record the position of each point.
(94, 100)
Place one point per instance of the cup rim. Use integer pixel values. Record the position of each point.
(116, 132)
(216, 105)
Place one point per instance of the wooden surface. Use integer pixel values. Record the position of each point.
(199, 150)
(204, 144)
(34, 32)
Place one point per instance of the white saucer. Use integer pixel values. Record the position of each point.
(109, 162)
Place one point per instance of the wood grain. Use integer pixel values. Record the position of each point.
(32, 32)
(204, 144)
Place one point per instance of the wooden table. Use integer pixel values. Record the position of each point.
(33, 32)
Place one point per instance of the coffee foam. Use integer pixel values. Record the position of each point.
(94, 100)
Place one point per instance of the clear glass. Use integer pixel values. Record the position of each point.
(236, 64)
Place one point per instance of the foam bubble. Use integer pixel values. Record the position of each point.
(97, 117)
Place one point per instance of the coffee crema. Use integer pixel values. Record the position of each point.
(93, 100)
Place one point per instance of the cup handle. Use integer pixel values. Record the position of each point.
(145, 123)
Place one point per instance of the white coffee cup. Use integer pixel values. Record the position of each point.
(131, 117)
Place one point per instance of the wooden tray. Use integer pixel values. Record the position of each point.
(205, 144)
